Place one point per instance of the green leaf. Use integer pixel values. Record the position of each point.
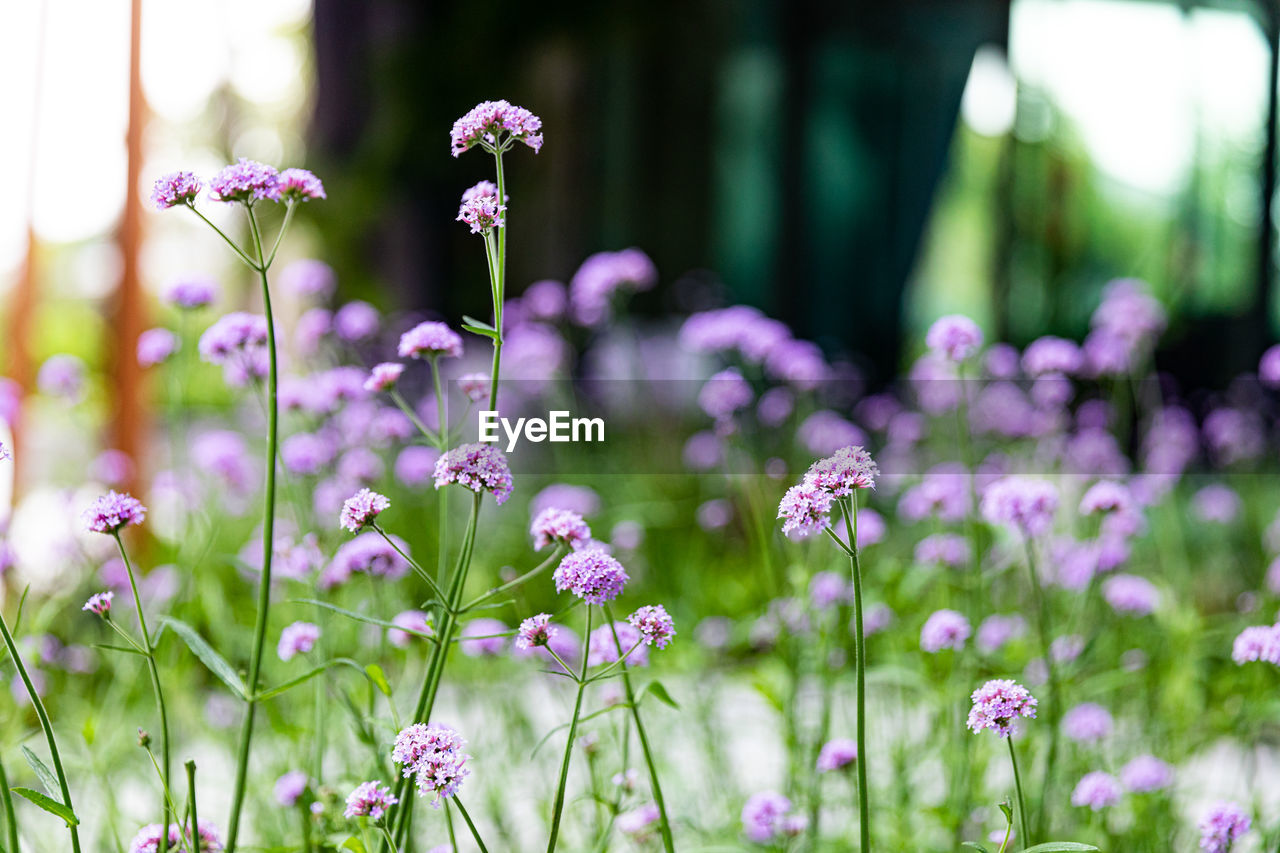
(125, 649)
(379, 678)
(50, 805)
(310, 674)
(479, 327)
(355, 844)
(659, 692)
(1007, 809)
(43, 773)
(215, 662)
(1060, 847)
(973, 845)
(22, 604)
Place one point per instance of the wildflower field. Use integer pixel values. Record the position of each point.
(1013, 601)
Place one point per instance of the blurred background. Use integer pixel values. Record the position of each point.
(855, 169)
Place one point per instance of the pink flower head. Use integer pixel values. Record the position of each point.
(805, 510)
(535, 631)
(155, 346)
(434, 754)
(592, 575)
(1146, 773)
(113, 511)
(1097, 790)
(482, 213)
(415, 621)
(561, 526)
(1222, 825)
(837, 754)
(191, 292)
(944, 629)
(300, 185)
(767, 817)
(430, 340)
(494, 125)
(1131, 594)
(655, 625)
(290, 787)
(1106, 496)
(297, 639)
(384, 376)
(955, 337)
(246, 181)
(847, 469)
(361, 509)
(1257, 643)
(1021, 502)
(99, 603)
(1051, 356)
(474, 386)
(478, 467)
(148, 838)
(998, 703)
(371, 800)
(174, 189)
(237, 342)
(1269, 367)
(1087, 722)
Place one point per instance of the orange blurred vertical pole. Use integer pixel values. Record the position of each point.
(128, 424)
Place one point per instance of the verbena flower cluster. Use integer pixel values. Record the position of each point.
(493, 124)
(998, 703)
(591, 574)
(478, 467)
(113, 512)
(433, 756)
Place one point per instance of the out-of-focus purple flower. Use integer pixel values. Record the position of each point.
(638, 821)
(416, 465)
(297, 639)
(943, 549)
(495, 125)
(236, 342)
(1217, 504)
(537, 353)
(309, 279)
(1066, 648)
(311, 328)
(191, 292)
(828, 589)
(99, 603)
(1171, 442)
(580, 499)
(1050, 355)
(361, 509)
(535, 631)
(430, 340)
(245, 181)
(1106, 496)
(411, 623)
(356, 321)
(805, 510)
(434, 754)
(367, 553)
(290, 787)
(767, 817)
(559, 525)
(933, 381)
(1130, 313)
(604, 275)
(714, 514)
(998, 629)
(724, 394)
(1024, 503)
(112, 467)
(837, 754)
(998, 703)
(824, 432)
(1222, 826)
(174, 189)
(1257, 643)
(875, 619)
(1269, 367)
(1094, 453)
(384, 376)
(360, 465)
(1001, 361)
(479, 637)
(478, 467)
(113, 511)
(1234, 435)
(306, 453)
(482, 214)
(1087, 722)
(371, 800)
(871, 528)
(148, 838)
(155, 346)
(545, 300)
(474, 386)
(1002, 408)
(955, 337)
(602, 645)
(1097, 790)
(1131, 594)
(775, 406)
(944, 629)
(1146, 773)
(300, 185)
(223, 454)
(63, 376)
(703, 451)
(943, 492)
(654, 624)
(592, 575)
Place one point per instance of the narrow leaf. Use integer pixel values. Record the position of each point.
(43, 773)
(478, 330)
(973, 845)
(479, 324)
(50, 805)
(1060, 847)
(379, 678)
(659, 692)
(125, 649)
(215, 662)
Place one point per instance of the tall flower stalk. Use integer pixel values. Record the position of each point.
(996, 706)
(581, 678)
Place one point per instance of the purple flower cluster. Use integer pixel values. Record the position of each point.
(246, 181)
(300, 185)
(290, 787)
(604, 275)
(837, 754)
(478, 467)
(1024, 503)
(1097, 790)
(998, 703)
(371, 800)
(655, 625)
(191, 292)
(1222, 826)
(155, 346)
(1087, 722)
(1257, 643)
(113, 511)
(482, 214)
(1146, 773)
(592, 575)
(603, 645)
(805, 508)
(174, 189)
(415, 621)
(297, 639)
(148, 838)
(493, 125)
(954, 337)
(430, 340)
(368, 553)
(361, 509)
(99, 603)
(237, 342)
(383, 377)
(1131, 594)
(767, 817)
(944, 629)
(535, 631)
(434, 755)
(559, 525)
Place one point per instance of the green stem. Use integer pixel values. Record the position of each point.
(191, 795)
(556, 553)
(435, 440)
(568, 746)
(471, 826)
(268, 542)
(10, 821)
(498, 275)
(38, 704)
(860, 653)
(154, 671)
(664, 824)
(239, 252)
(1022, 803)
(422, 573)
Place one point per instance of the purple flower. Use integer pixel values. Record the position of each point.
(1146, 773)
(415, 621)
(383, 377)
(62, 376)
(805, 510)
(942, 492)
(483, 638)
(235, 341)
(847, 469)
(1106, 496)
(1021, 502)
(602, 645)
(654, 624)
(174, 189)
(99, 603)
(703, 451)
(580, 499)
(299, 185)
(1050, 356)
(297, 639)
(592, 575)
(306, 453)
(1257, 643)
(478, 467)
(545, 300)
(482, 213)
(1222, 825)
(637, 822)
(998, 703)
(308, 277)
(942, 549)
(1217, 504)
(725, 393)
(535, 631)
(416, 464)
(604, 275)
(356, 321)
(1097, 790)
(290, 787)
(494, 125)
(113, 511)
(371, 800)
(155, 346)
(191, 292)
(434, 754)
(361, 509)
(998, 629)
(837, 754)
(827, 589)
(559, 525)
(767, 817)
(430, 340)
(148, 838)
(474, 386)
(4, 452)
(1269, 367)
(246, 181)
(1131, 594)
(944, 629)
(368, 553)
(1087, 722)
(955, 337)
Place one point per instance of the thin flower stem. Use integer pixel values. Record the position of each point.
(558, 809)
(664, 824)
(442, 413)
(422, 573)
(154, 672)
(475, 833)
(1055, 707)
(499, 283)
(10, 821)
(268, 549)
(289, 208)
(850, 509)
(232, 243)
(191, 802)
(383, 826)
(43, 715)
(511, 584)
(1022, 803)
(611, 667)
(430, 436)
